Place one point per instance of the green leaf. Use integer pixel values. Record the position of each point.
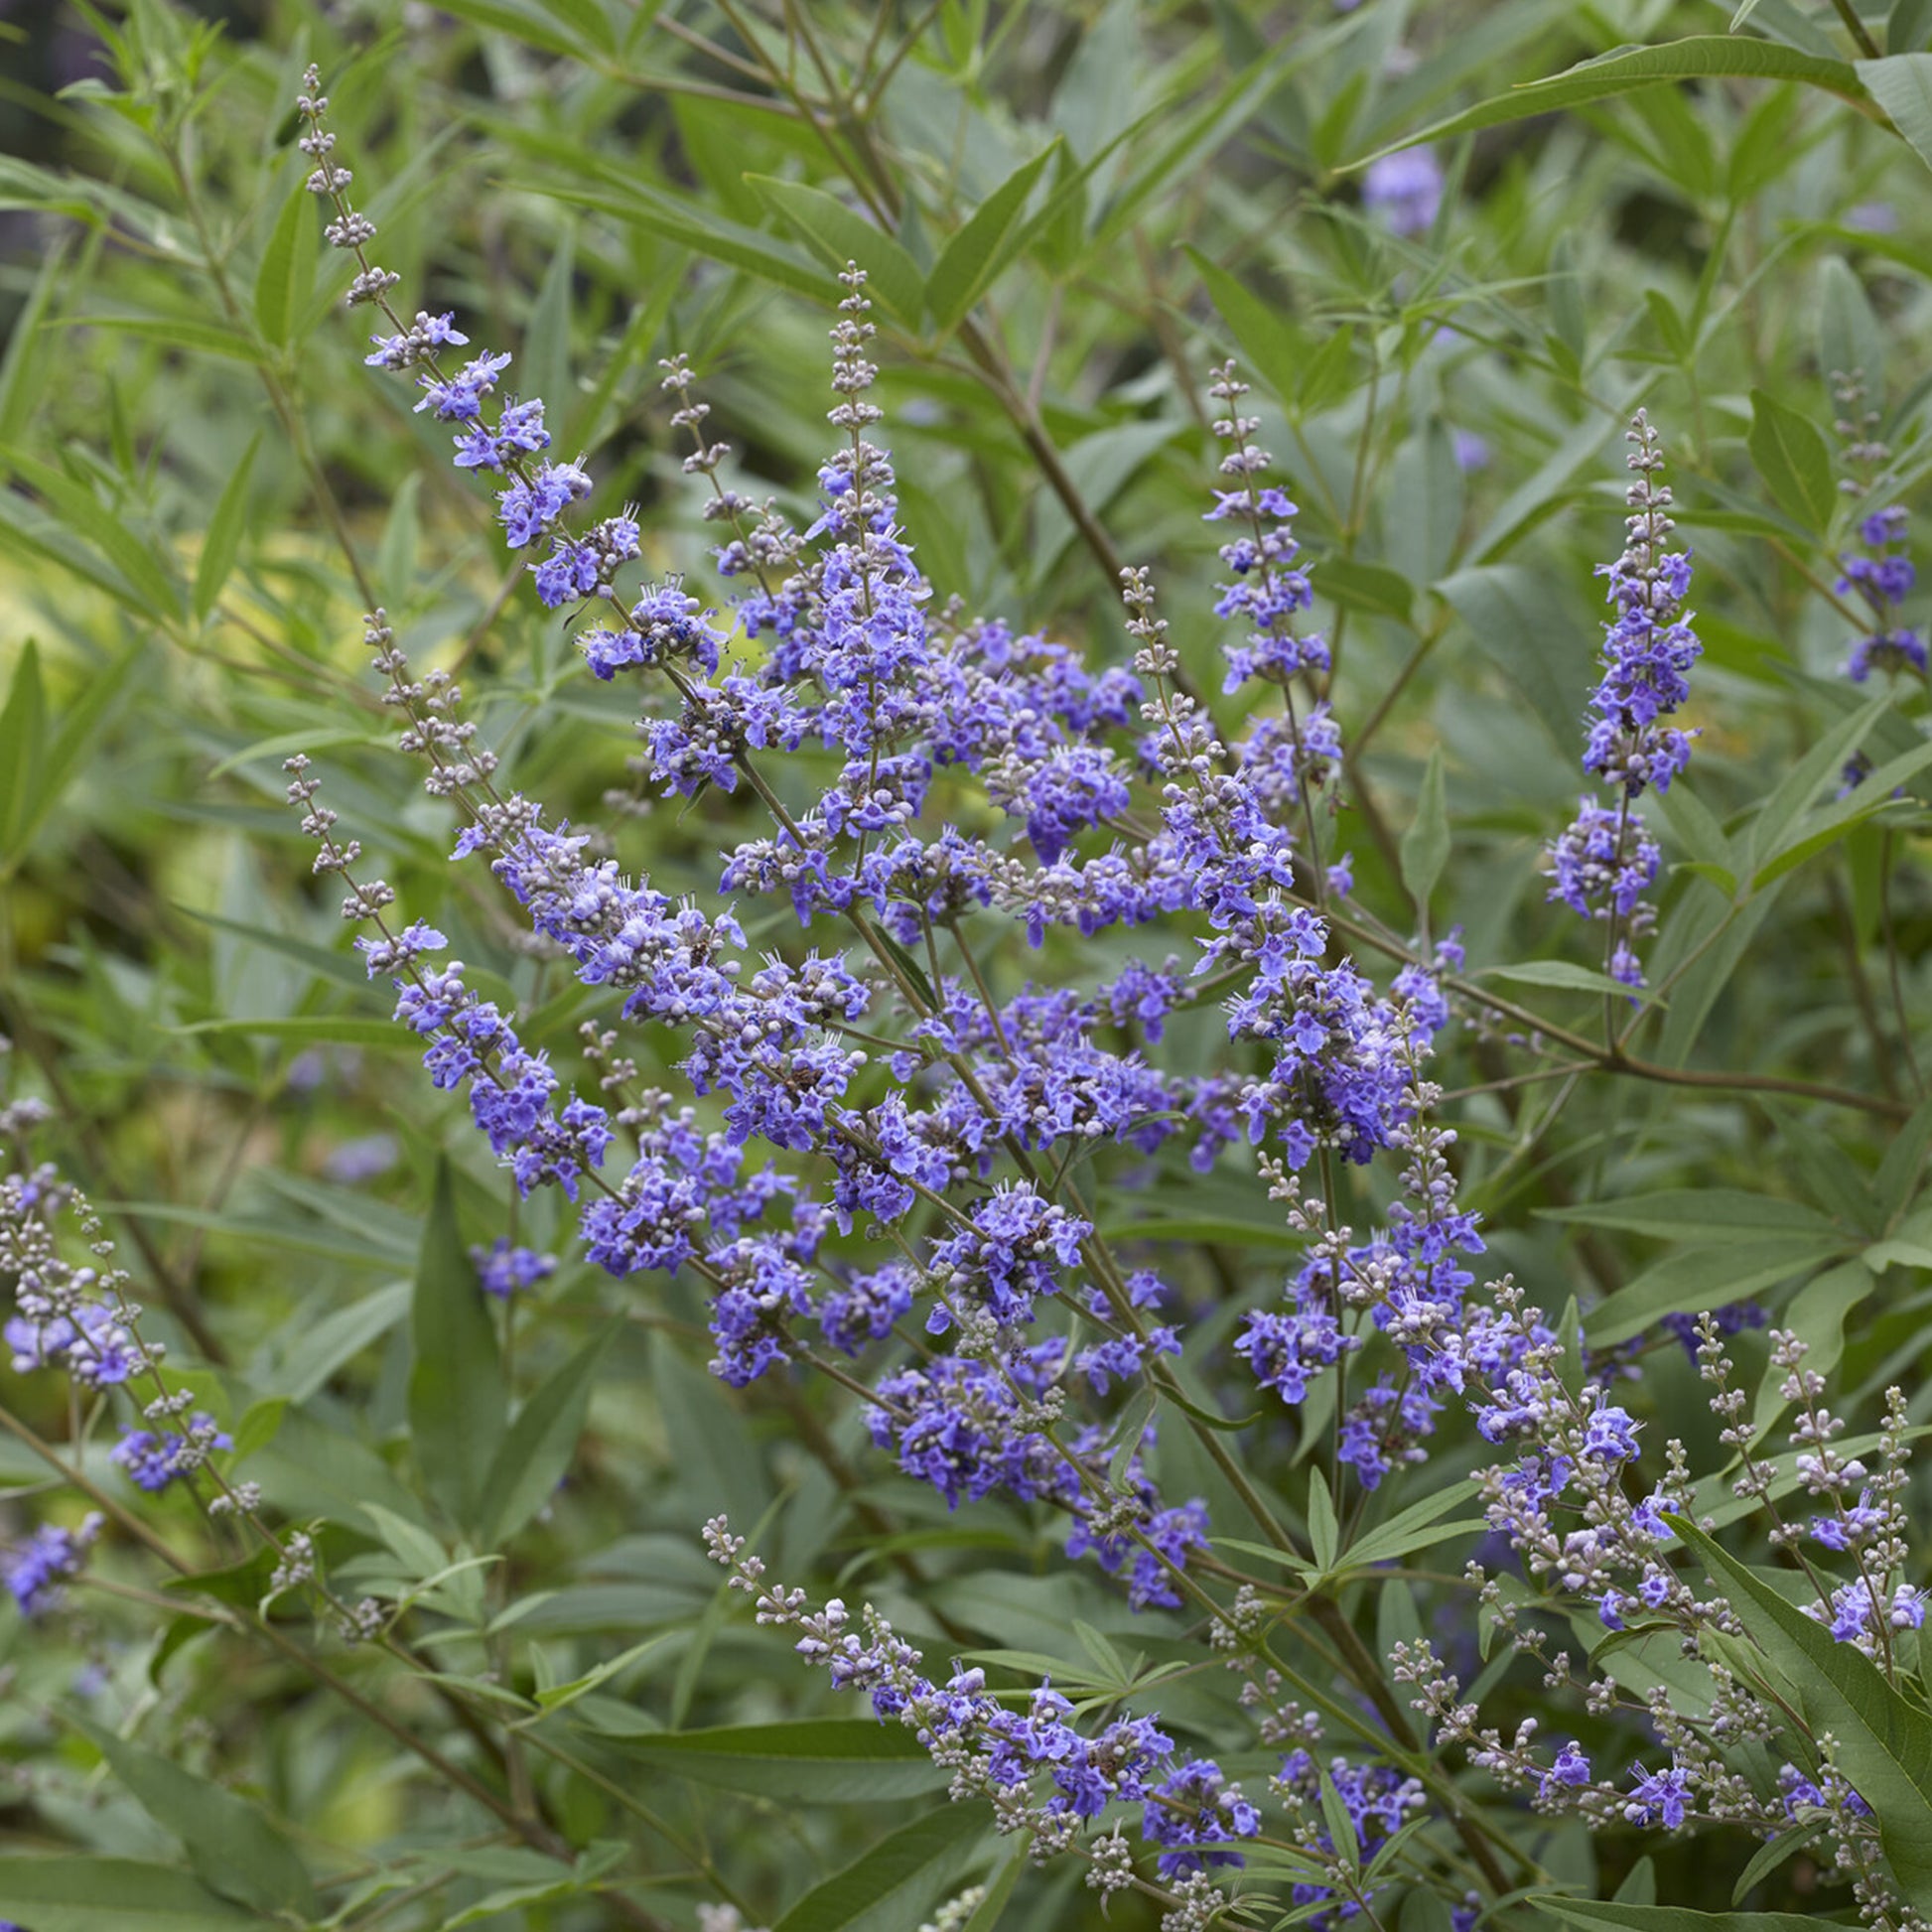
(818, 1760)
(1425, 844)
(1323, 1533)
(1870, 795)
(456, 1399)
(535, 1454)
(1343, 1835)
(986, 1914)
(1850, 337)
(79, 510)
(546, 346)
(23, 745)
(1372, 588)
(559, 1696)
(1884, 1744)
(1794, 460)
(512, 17)
(1129, 1438)
(338, 1028)
(1800, 784)
(1899, 1171)
(288, 266)
(1685, 1213)
(224, 531)
(1907, 25)
(1403, 1533)
(1597, 1915)
(1100, 466)
(1769, 1856)
(175, 332)
(837, 234)
(899, 1880)
(1261, 333)
(305, 1354)
(1901, 84)
(1700, 1279)
(1507, 609)
(85, 1894)
(975, 252)
(1625, 69)
(587, 20)
(18, 390)
(233, 1846)
(707, 233)
(260, 1425)
(1569, 1350)
(1569, 976)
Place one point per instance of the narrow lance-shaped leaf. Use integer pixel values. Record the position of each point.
(899, 1880)
(1702, 56)
(977, 253)
(232, 1844)
(1425, 844)
(1600, 1915)
(837, 236)
(224, 532)
(1794, 460)
(827, 1760)
(23, 745)
(85, 1894)
(1901, 84)
(456, 1387)
(536, 1453)
(288, 267)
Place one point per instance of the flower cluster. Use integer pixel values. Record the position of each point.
(1880, 576)
(909, 787)
(1605, 861)
(34, 1570)
(1043, 1774)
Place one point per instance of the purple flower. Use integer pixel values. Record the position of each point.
(1602, 865)
(1660, 1797)
(153, 1461)
(503, 1270)
(34, 1570)
(1405, 189)
(1609, 1434)
(1881, 579)
(1571, 1768)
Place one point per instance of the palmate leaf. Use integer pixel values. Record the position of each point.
(1884, 1744)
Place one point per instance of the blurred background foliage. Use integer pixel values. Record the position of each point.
(203, 488)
